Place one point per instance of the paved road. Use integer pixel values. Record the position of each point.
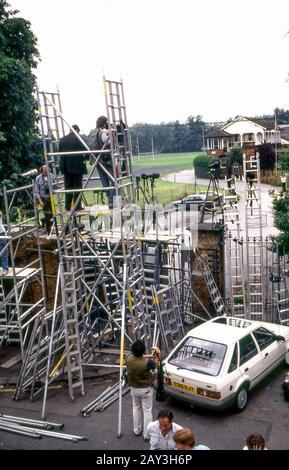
(188, 176)
(266, 413)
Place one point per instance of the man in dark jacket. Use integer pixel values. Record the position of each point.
(72, 165)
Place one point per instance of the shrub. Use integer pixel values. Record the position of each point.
(201, 165)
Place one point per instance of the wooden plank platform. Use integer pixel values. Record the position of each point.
(20, 272)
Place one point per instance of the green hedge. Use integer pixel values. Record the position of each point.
(201, 165)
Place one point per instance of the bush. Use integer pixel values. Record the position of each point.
(201, 165)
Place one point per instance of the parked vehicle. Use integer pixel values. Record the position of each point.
(213, 198)
(218, 362)
(193, 200)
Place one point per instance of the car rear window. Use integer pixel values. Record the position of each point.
(199, 355)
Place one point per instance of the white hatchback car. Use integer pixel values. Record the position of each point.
(217, 362)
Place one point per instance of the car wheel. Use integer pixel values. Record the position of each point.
(241, 399)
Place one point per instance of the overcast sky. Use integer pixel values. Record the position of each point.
(216, 58)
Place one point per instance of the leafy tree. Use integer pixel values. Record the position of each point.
(19, 149)
(282, 115)
(235, 155)
(179, 138)
(284, 160)
(267, 156)
(197, 130)
(281, 220)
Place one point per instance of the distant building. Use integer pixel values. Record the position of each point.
(245, 133)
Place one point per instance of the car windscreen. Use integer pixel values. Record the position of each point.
(199, 355)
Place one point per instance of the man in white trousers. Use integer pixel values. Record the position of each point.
(140, 374)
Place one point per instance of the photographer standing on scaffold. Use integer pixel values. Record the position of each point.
(98, 139)
(140, 374)
(43, 196)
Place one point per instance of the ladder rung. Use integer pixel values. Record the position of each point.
(77, 384)
(72, 337)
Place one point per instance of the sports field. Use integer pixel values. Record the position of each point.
(180, 161)
(167, 163)
(163, 164)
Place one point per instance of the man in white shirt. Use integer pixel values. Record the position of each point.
(160, 433)
(3, 248)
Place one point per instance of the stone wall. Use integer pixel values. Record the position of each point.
(25, 254)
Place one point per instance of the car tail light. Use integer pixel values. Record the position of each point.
(208, 393)
(167, 381)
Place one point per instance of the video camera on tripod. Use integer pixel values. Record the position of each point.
(213, 167)
(151, 176)
(146, 184)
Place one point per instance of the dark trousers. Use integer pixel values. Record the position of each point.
(106, 181)
(72, 181)
(47, 209)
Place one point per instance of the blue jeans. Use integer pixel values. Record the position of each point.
(106, 181)
(4, 256)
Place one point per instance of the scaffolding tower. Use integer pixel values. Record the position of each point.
(17, 314)
(88, 301)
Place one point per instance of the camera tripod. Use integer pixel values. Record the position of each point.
(145, 185)
(214, 185)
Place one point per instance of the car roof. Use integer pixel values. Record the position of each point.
(199, 195)
(226, 330)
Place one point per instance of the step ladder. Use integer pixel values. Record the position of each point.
(71, 310)
(254, 238)
(168, 316)
(234, 246)
(211, 284)
(280, 285)
(235, 274)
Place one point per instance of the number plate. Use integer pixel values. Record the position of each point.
(185, 387)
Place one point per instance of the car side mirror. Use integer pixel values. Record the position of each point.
(280, 338)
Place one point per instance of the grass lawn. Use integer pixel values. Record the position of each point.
(166, 191)
(173, 160)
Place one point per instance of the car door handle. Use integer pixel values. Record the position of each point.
(246, 370)
(267, 354)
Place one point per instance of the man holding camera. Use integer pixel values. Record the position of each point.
(43, 195)
(141, 371)
(98, 139)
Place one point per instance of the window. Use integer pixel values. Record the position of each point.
(199, 355)
(247, 349)
(237, 322)
(234, 361)
(264, 337)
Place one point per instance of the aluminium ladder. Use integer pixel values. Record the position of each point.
(234, 252)
(211, 284)
(254, 239)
